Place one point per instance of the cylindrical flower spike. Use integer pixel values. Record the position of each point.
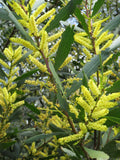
(94, 88)
(54, 37)
(67, 60)
(4, 64)
(100, 113)
(33, 26)
(39, 9)
(8, 54)
(87, 53)
(74, 110)
(24, 43)
(38, 64)
(45, 16)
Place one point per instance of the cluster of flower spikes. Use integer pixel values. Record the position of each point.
(98, 42)
(7, 96)
(96, 106)
(31, 21)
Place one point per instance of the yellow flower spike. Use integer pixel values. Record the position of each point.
(106, 45)
(11, 79)
(87, 53)
(13, 97)
(54, 48)
(39, 9)
(33, 149)
(105, 61)
(16, 59)
(95, 126)
(74, 110)
(3, 81)
(82, 34)
(45, 16)
(4, 64)
(107, 73)
(6, 94)
(46, 100)
(24, 43)
(31, 3)
(54, 37)
(17, 104)
(88, 96)
(33, 26)
(101, 38)
(67, 60)
(71, 138)
(24, 23)
(43, 40)
(2, 103)
(83, 127)
(18, 9)
(42, 67)
(100, 113)
(83, 104)
(82, 42)
(112, 96)
(100, 21)
(96, 30)
(48, 23)
(8, 54)
(93, 87)
(18, 52)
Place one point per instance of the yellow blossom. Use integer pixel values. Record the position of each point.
(54, 37)
(45, 16)
(33, 26)
(17, 104)
(83, 127)
(39, 10)
(94, 88)
(55, 47)
(87, 53)
(67, 60)
(100, 113)
(105, 61)
(4, 64)
(74, 110)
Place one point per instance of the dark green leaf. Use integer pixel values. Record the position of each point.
(111, 149)
(114, 23)
(32, 108)
(96, 154)
(114, 88)
(68, 152)
(97, 6)
(57, 80)
(85, 80)
(64, 47)
(26, 75)
(6, 145)
(4, 14)
(81, 19)
(113, 119)
(2, 74)
(64, 14)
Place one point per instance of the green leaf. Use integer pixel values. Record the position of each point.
(57, 80)
(63, 14)
(68, 152)
(114, 88)
(17, 24)
(24, 57)
(2, 74)
(111, 149)
(6, 145)
(113, 119)
(26, 75)
(4, 14)
(89, 68)
(114, 23)
(97, 6)
(81, 19)
(99, 155)
(64, 47)
(85, 79)
(32, 108)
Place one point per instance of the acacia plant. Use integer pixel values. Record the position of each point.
(59, 86)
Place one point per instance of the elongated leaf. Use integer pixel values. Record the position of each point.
(64, 14)
(81, 19)
(57, 80)
(68, 152)
(26, 75)
(2, 74)
(113, 119)
(6, 145)
(97, 6)
(64, 47)
(89, 68)
(17, 24)
(32, 108)
(4, 14)
(99, 155)
(114, 23)
(114, 88)
(23, 57)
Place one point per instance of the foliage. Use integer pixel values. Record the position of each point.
(59, 93)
